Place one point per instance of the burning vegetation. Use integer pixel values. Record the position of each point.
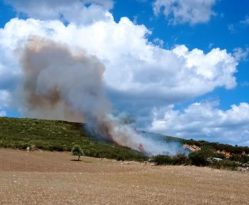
(62, 83)
(63, 136)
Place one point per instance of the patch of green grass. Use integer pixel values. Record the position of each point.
(59, 136)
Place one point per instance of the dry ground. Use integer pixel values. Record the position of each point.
(53, 178)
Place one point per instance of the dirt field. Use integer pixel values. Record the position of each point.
(53, 178)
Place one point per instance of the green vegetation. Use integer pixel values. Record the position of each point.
(225, 164)
(77, 151)
(207, 156)
(59, 136)
(68, 136)
(199, 158)
(170, 160)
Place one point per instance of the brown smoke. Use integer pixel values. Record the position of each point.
(60, 84)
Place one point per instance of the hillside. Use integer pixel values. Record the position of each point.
(62, 136)
(59, 136)
(202, 143)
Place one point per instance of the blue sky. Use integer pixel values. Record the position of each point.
(187, 65)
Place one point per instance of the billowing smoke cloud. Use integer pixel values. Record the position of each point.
(61, 83)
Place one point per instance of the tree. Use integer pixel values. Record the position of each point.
(77, 151)
(198, 158)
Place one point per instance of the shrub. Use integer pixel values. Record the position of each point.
(240, 158)
(77, 151)
(219, 155)
(225, 164)
(198, 158)
(208, 151)
(180, 159)
(120, 158)
(162, 160)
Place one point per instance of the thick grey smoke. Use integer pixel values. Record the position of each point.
(65, 84)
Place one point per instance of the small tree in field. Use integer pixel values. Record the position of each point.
(77, 151)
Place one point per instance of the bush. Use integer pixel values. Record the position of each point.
(219, 155)
(162, 160)
(225, 164)
(77, 151)
(168, 160)
(240, 158)
(180, 159)
(198, 158)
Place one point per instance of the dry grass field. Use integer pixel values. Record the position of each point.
(54, 178)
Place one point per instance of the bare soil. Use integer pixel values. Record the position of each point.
(54, 178)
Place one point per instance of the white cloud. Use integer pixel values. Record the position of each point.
(4, 98)
(232, 28)
(76, 11)
(245, 21)
(4, 102)
(185, 11)
(2, 113)
(134, 66)
(240, 53)
(205, 120)
(244, 84)
(139, 73)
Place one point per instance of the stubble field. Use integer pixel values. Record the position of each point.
(54, 178)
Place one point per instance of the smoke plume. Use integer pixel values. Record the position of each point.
(61, 84)
(67, 84)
